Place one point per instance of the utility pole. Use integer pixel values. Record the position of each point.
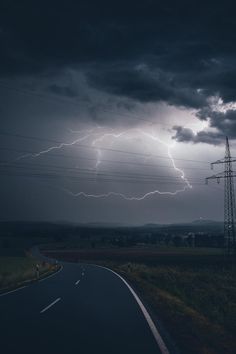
(229, 199)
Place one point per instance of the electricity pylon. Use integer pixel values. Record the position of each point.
(229, 199)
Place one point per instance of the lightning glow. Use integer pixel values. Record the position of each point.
(102, 138)
(169, 147)
(99, 140)
(96, 138)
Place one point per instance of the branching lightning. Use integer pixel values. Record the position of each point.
(169, 147)
(115, 194)
(56, 147)
(96, 138)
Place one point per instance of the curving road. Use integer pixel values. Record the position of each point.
(81, 309)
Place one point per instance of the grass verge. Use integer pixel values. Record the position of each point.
(16, 270)
(196, 305)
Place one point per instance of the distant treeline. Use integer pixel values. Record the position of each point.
(189, 235)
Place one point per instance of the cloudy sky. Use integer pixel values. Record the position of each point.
(113, 111)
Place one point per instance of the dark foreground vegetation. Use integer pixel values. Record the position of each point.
(16, 270)
(197, 304)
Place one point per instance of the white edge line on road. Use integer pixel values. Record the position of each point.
(77, 282)
(12, 291)
(156, 334)
(48, 307)
(51, 275)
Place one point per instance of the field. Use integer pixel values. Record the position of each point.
(192, 291)
(15, 270)
(148, 255)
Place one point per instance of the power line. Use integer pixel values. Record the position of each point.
(95, 159)
(87, 171)
(102, 148)
(87, 179)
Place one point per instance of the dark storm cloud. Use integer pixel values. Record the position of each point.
(181, 38)
(63, 90)
(145, 85)
(177, 52)
(186, 135)
(224, 124)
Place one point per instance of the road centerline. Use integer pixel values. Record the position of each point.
(50, 305)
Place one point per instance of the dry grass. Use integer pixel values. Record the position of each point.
(15, 270)
(197, 305)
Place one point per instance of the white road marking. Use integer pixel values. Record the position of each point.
(12, 291)
(48, 307)
(51, 275)
(156, 334)
(76, 283)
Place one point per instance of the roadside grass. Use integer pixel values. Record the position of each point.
(196, 304)
(16, 270)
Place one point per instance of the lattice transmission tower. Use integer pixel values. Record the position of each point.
(229, 199)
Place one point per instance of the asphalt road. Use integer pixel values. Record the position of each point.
(81, 309)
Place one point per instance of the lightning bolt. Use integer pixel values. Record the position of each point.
(101, 139)
(169, 147)
(115, 194)
(99, 152)
(60, 146)
(182, 174)
(102, 136)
